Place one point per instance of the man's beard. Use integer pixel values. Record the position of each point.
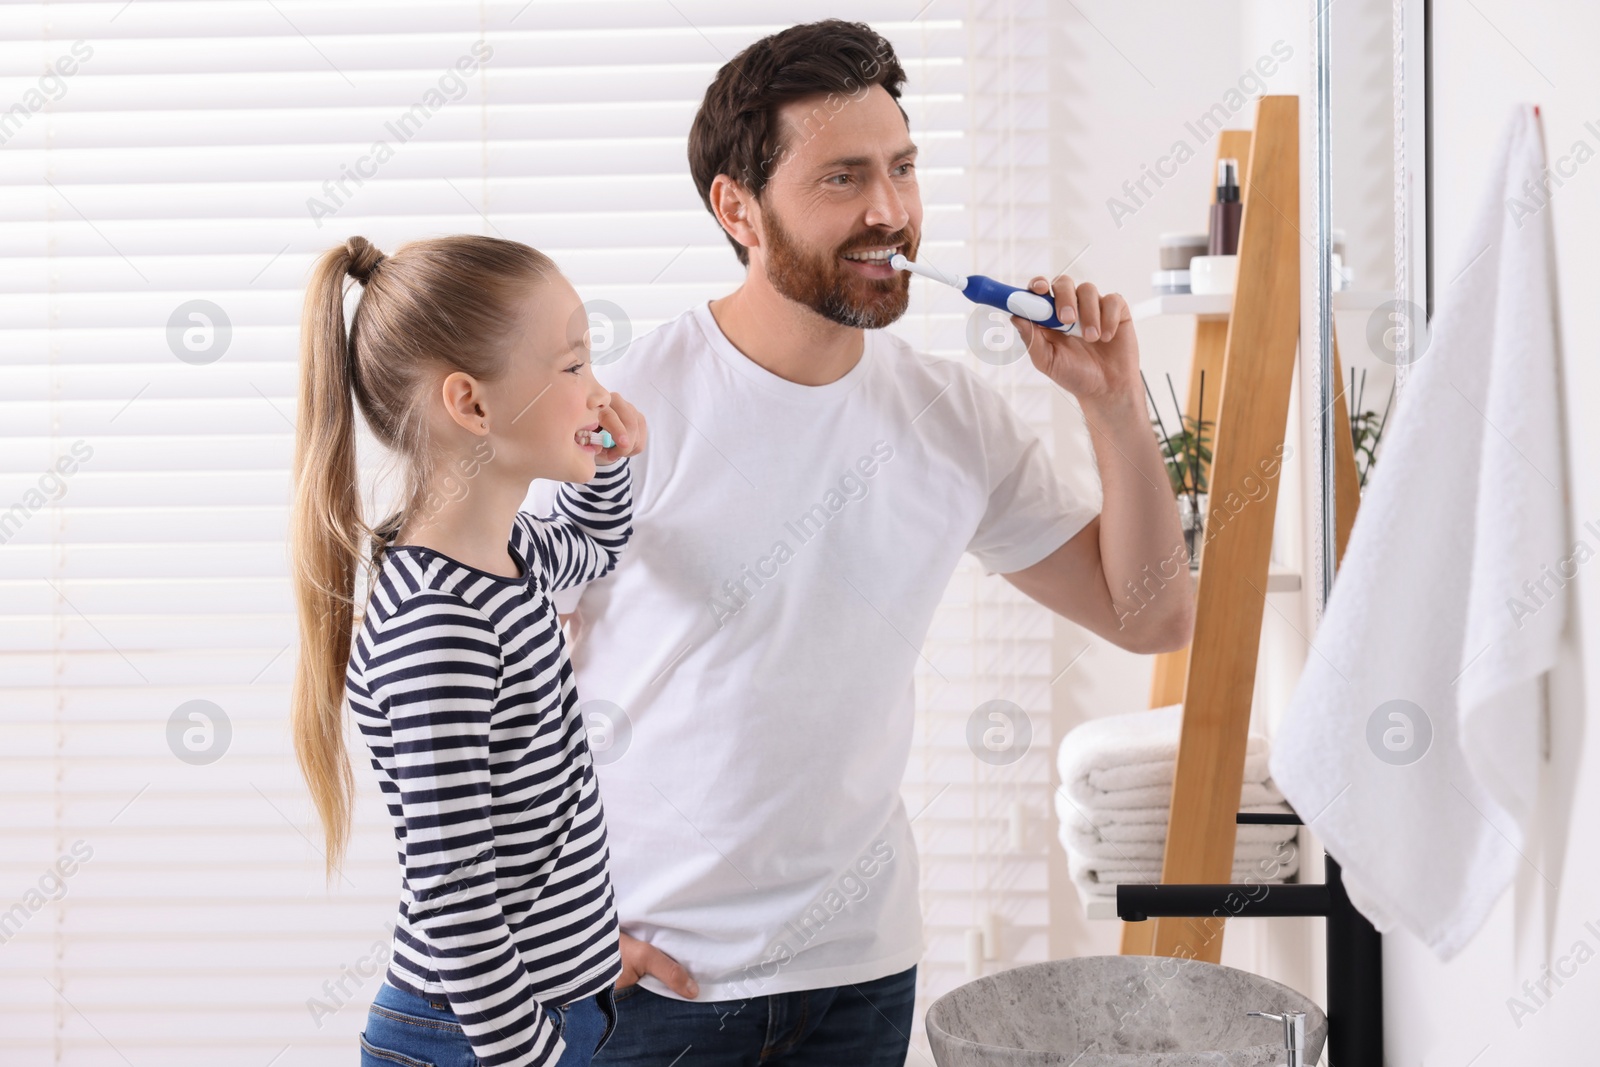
(828, 287)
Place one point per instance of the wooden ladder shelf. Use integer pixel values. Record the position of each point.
(1249, 360)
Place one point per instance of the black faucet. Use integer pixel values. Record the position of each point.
(1354, 947)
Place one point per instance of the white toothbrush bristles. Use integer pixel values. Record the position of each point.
(900, 262)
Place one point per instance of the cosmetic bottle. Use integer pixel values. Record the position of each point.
(1227, 211)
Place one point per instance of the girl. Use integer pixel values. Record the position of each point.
(469, 359)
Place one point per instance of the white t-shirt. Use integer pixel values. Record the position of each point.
(759, 635)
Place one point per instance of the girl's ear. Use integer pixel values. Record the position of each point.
(465, 402)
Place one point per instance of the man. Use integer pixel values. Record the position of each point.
(811, 486)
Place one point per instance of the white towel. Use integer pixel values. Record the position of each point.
(1093, 847)
(1082, 833)
(1157, 799)
(1113, 804)
(1129, 761)
(1100, 878)
(1147, 817)
(1464, 506)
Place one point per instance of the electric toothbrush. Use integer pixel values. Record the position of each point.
(1023, 303)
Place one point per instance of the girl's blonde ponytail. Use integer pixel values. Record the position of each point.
(326, 535)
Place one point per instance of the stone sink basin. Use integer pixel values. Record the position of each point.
(1118, 1011)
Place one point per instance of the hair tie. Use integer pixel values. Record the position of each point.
(363, 259)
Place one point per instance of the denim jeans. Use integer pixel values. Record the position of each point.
(410, 1031)
(862, 1025)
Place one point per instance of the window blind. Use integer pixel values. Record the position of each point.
(171, 170)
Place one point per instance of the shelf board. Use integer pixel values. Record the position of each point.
(1101, 908)
(1282, 581)
(1218, 305)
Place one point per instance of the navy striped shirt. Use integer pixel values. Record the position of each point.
(460, 684)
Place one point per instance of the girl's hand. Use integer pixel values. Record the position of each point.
(640, 958)
(626, 425)
(1101, 364)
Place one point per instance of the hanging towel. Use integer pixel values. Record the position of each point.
(1412, 742)
(1129, 761)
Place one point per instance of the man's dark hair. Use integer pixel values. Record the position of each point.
(736, 133)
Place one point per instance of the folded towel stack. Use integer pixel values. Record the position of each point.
(1116, 790)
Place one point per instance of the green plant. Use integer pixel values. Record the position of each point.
(1187, 454)
(1366, 428)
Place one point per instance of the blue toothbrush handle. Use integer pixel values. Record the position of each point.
(1024, 303)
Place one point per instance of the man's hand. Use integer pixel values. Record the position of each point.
(626, 424)
(640, 958)
(1102, 364)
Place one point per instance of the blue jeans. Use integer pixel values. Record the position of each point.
(407, 1030)
(863, 1025)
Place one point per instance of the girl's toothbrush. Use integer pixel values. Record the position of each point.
(1023, 303)
(599, 437)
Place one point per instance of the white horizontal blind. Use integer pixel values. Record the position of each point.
(170, 171)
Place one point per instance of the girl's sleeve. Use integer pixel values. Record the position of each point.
(440, 670)
(583, 537)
